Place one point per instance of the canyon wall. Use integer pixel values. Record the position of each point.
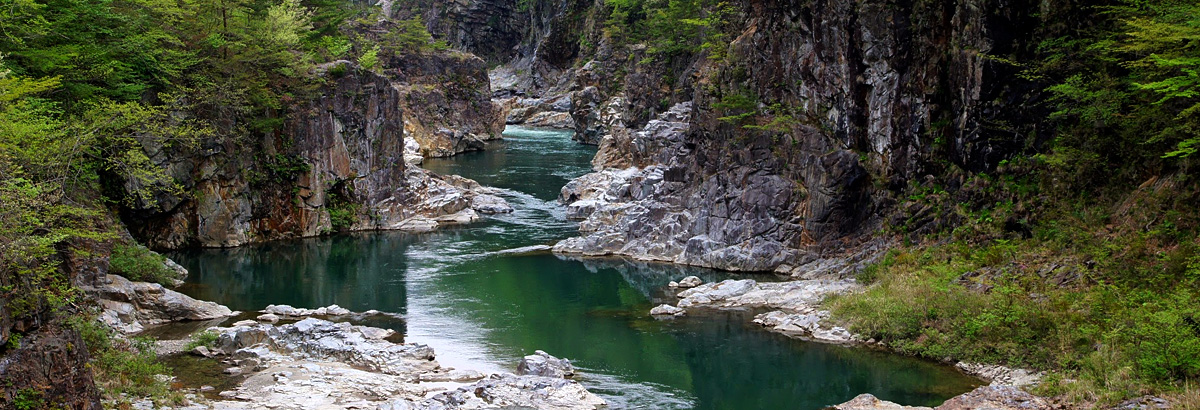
(803, 140)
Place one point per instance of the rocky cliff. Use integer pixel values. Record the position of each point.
(447, 101)
(801, 140)
(336, 164)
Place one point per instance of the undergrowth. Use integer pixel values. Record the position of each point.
(1102, 294)
(125, 368)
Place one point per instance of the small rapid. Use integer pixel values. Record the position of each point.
(484, 295)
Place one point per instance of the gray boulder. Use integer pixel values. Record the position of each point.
(131, 306)
(667, 310)
(543, 364)
(690, 282)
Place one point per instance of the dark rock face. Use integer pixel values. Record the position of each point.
(447, 101)
(344, 145)
(849, 102)
(50, 369)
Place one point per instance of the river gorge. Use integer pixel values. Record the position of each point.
(482, 301)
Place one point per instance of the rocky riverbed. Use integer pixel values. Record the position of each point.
(314, 363)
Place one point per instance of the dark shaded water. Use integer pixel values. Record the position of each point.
(482, 308)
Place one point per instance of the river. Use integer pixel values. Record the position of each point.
(482, 308)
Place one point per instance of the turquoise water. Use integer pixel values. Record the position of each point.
(482, 308)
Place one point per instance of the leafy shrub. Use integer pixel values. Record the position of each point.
(279, 168)
(342, 217)
(1164, 338)
(137, 263)
(28, 399)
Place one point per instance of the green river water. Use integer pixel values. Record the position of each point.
(482, 308)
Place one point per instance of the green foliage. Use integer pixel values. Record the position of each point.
(334, 47)
(118, 50)
(137, 263)
(343, 212)
(1101, 294)
(1162, 42)
(277, 169)
(28, 399)
(342, 216)
(524, 5)
(1130, 88)
(1163, 336)
(370, 59)
(671, 28)
(409, 37)
(39, 158)
(206, 338)
(737, 107)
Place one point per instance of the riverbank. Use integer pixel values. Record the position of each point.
(795, 308)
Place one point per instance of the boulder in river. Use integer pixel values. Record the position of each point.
(690, 282)
(503, 391)
(315, 363)
(543, 364)
(667, 310)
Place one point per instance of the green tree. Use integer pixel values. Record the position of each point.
(1162, 40)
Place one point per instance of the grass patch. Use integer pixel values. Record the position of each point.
(206, 338)
(1104, 296)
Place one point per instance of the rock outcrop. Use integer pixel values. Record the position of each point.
(1001, 375)
(447, 103)
(654, 210)
(131, 306)
(803, 140)
(44, 362)
(795, 305)
(543, 364)
(49, 369)
(667, 310)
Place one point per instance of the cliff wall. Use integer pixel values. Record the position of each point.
(337, 163)
(801, 141)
